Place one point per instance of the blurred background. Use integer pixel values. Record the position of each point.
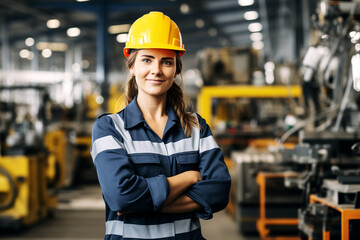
(278, 81)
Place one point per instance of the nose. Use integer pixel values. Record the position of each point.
(156, 68)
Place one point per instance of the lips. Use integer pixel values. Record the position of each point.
(155, 80)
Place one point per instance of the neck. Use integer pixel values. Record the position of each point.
(153, 107)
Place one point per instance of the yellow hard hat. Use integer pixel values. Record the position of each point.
(154, 30)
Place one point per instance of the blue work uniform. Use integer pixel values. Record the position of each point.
(133, 163)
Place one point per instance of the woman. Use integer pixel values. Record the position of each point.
(159, 166)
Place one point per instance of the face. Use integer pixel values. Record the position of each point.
(154, 71)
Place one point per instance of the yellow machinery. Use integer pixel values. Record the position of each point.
(32, 160)
(31, 174)
(241, 91)
(56, 142)
(24, 198)
(28, 183)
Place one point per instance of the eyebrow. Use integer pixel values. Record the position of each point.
(164, 58)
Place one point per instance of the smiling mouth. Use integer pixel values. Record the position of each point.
(155, 80)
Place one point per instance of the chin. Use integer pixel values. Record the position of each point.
(156, 93)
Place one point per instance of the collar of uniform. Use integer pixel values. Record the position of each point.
(171, 114)
(172, 119)
(133, 115)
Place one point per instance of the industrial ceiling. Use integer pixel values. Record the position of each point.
(280, 27)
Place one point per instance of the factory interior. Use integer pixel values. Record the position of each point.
(277, 81)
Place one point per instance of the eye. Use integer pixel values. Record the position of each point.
(146, 60)
(168, 62)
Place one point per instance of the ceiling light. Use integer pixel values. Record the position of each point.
(121, 28)
(199, 23)
(244, 3)
(258, 45)
(251, 15)
(255, 27)
(46, 53)
(213, 32)
(357, 47)
(122, 37)
(256, 36)
(53, 46)
(269, 66)
(30, 56)
(76, 67)
(223, 41)
(82, 0)
(85, 64)
(184, 8)
(29, 42)
(73, 32)
(24, 53)
(352, 34)
(99, 99)
(53, 23)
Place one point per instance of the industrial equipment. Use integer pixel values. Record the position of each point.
(331, 182)
(317, 178)
(234, 135)
(32, 164)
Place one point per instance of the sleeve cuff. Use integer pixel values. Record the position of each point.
(159, 190)
(206, 211)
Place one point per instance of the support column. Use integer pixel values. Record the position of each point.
(268, 54)
(5, 47)
(102, 62)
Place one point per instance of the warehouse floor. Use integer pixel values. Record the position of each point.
(80, 216)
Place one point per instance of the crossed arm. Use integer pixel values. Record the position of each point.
(176, 201)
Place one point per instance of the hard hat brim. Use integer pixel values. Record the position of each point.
(127, 51)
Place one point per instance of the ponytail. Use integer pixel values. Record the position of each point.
(175, 98)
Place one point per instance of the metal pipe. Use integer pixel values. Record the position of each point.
(343, 103)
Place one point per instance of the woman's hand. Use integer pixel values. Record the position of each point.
(193, 175)
(180, 183)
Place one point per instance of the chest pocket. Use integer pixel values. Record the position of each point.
(186, 162)
(147, 165)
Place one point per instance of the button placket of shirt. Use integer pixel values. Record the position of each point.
(167, 163)
(152, 131)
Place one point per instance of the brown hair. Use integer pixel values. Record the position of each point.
(174, 97)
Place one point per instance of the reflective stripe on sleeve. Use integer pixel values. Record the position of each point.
(104, 143)
(207, 144)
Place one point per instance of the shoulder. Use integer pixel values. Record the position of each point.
(205, 130)
(201, 120)
(106, 124)
(106, 119)
(101, 123)
(102, 115)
